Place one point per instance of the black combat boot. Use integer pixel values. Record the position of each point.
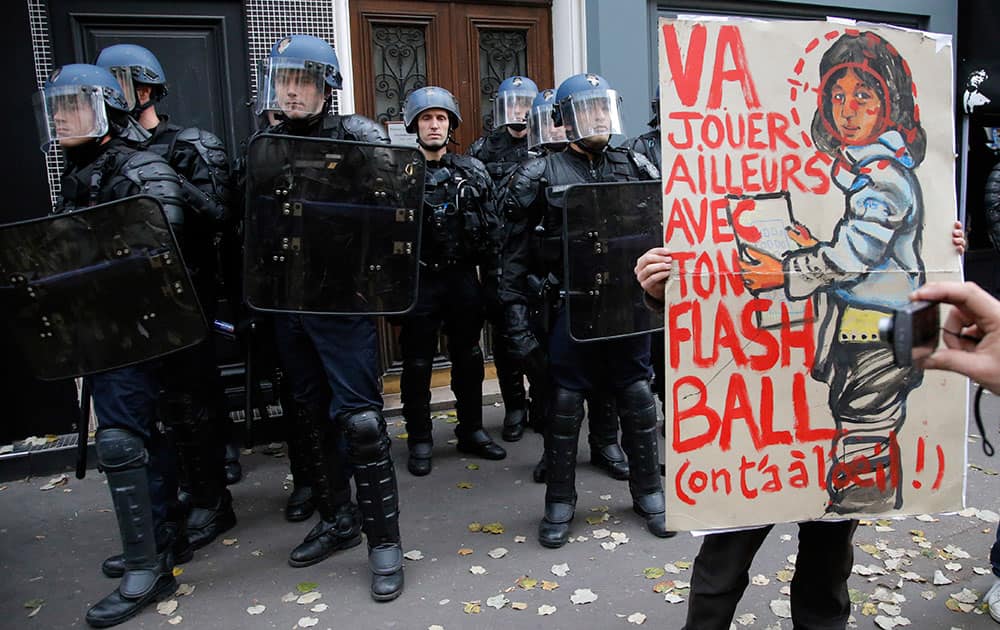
(560, 462)
(415, 393)
(467, 385)
(375, 477)
(637, 409)
(602, 417)
(511, 381)
(172, 532)
(299, 506)
(340, 522)
(234, 470)
(148, 573)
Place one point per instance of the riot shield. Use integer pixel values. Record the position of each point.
(607, 227)
(332, 227)
(97, 289)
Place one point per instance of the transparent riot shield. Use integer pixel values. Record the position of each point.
(607, 227)
(332, 227)
(97, 289)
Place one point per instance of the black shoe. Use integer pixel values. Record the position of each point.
(117, 607)
(328, 537)
(419, 463)
(386, 563)
(300, 504)
(480, 444)
(205, 524)
(553, 531)
(538, 474)
(234, 470)
(183, 550)
(513, 425)
(652, 508)
(611, 459)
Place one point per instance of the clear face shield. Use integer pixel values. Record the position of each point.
(511, 107)
(124, 78)
(295, 87)
(595, 113)
(70, 115)
(542, 130)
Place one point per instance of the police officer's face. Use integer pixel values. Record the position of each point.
(595, 120)
(300, 94)
(73, 116)
(432, 127)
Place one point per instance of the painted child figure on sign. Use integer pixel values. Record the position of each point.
(867, 120)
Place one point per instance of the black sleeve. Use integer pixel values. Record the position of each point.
(523, 207)
(199, 158)
(149, 174)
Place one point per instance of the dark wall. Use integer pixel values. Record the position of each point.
(26, 187)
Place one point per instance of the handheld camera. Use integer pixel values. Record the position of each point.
(913, 331)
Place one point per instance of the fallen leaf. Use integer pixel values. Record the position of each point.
(435, 626)
(926, 518)
(663, 587)
(746, 619)
(472, 608)
(477, 570)
(890, 609)
(560, 570)
(682, 564)
(610, 546)
(318, 608)
(856, 596)
(549, 586)
(519, 606)
(289, 597)
(175, 620)
(305, 587)
(601, 533)
(167, 608)
(782, 608)
(912, 577)
(497, 553)
(605, 497)
(760, 580)
(257, 553)
(953, 566)
(414, 554)
(184, 589)
(596, 520)
(673, 598)
(55, 482)
(308, 622)
(980, 570)
(545, 609)
(463, 485)
(928, 595)
(957, 552)
(653, 573)
(637, 618)
(497, 601)
(619, 537)
(308, 598)
(229, 542)
(34, 603)
(940, 579)
(527, 583)
(671, 568)
(966, 596)
(583, 596)
(785, 575)
(520, 539)
(403, 435)
(475, 527)
(472, 467)
(464, 551)
(493, 528)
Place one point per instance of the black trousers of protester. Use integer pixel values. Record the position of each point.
(820, 600)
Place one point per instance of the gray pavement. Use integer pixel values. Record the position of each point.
(52, 543)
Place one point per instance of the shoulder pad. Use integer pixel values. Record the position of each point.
(524, 185)
(209, 146)
(363, 129)
(154, 177)
(645, 165)
(476, 148)
(470, 165)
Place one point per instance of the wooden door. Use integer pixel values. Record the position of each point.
(468, 48)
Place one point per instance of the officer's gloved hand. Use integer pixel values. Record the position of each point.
(521, 342)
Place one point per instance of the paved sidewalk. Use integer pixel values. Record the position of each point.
(52, 543)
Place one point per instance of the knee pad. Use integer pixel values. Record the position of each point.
(120, 449)
(367, 439)
(566, 410)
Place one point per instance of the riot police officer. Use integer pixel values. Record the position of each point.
(86, 112)
(192, 407)
(460, 223)
(501, 151)
(332, 361)
(587, 107)
(546, 138)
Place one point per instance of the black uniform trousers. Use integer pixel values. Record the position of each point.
(820, 600)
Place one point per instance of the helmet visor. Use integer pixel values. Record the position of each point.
(541, 129)
(511, 107)
(69, 113)
(591, 113)
(295, 87)
(124, 77)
